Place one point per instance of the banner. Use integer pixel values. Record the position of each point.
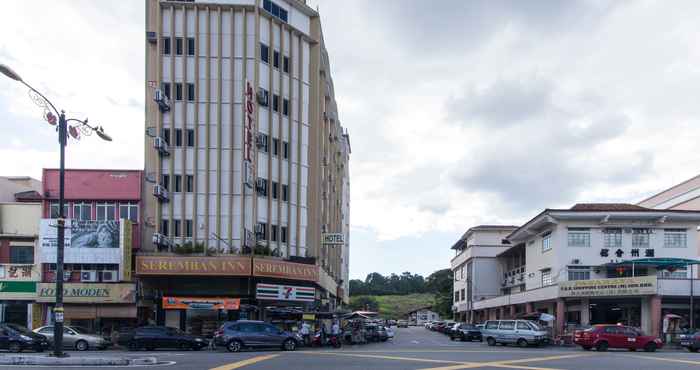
(183, 303)
(285, 293)
(168, 265)
(641, 285)
(88, 293)
(85, 241)
(285, 270)
(126, 247)
(17, 290)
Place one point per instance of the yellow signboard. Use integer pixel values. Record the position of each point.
(88, 293)
(641, 285)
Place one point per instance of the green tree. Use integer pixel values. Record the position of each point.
(440, 283)
(364, 303)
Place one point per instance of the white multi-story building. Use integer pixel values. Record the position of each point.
(245, 154)
(597, 263)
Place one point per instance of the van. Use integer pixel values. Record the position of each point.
(520, 332)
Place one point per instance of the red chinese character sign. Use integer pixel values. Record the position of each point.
(249, 120)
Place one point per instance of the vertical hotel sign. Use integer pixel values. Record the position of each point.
(126, 245)
(249, 137)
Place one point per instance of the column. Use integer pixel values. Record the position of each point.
(529, 307)
(501, 312)
(585, 311)
(560, 316)
(512, 311)
(654, 314)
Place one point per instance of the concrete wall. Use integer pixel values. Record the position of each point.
(20, 218)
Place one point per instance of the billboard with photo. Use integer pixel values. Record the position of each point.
(85, 241)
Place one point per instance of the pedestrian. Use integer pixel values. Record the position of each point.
(306, 333)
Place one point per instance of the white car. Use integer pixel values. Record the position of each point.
(389, 332)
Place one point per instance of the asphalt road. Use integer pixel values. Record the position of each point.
(413, 349)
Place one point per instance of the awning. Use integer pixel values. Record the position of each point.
(661, 263)
(537, 316)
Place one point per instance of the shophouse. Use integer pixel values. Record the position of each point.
(103, 211)
(598, 263)
(422, 315)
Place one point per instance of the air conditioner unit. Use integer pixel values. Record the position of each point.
(88, 276)
(67, 275)
(151, 37)
(160, 239)
(160, 193)
(261, 140)
(263, 97)
(575, 261)
(161, 146)
(110, 275)
(162, 100)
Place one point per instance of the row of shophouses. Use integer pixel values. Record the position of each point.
(110, 282)
(632, 264)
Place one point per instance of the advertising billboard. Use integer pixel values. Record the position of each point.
(85, 241)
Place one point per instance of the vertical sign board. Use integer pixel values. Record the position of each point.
(126, 246)
(249, 136)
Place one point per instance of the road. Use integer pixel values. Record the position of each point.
(416, 348)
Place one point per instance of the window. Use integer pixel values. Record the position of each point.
(546, 277)
(461, 293)
(188, 228)
(190, 46)
(506, 325)
(164, 227)
(640, 238)
(262, 143)
(457, 296)
(679, 273)
(178, 137)
(579, 273)
(275, 10)
(276, 59)
(285, 64)
(190, 92)
(264, 53)
(261, 231)
(178, 91)
(82, 211)
(273, 233)
(275, 102)
(275, 146)
(521, 325)
(579, 237)
(21, 254)
(492, 325)
(54, 210)
(178, 46)
(285, 149)
(165, 86)
(546, 242)
(166, 135)
(190, 137)
(612, 238)
(129, 211)
(189, 183)
(283, 234)
(165, 181)
(176, 228)
(285, 191)
(178, 183)
(275, 190)
(166, 45)
(105, 211)
(263, 97)
(675, 238)
(285, 107)
(262, 187)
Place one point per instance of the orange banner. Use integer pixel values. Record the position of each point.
(183, 303)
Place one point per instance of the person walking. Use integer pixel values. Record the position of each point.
(306, 333)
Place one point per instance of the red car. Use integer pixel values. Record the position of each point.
(603, 337)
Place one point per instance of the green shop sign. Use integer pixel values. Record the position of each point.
(17, 286)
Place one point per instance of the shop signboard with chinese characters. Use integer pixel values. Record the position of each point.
(217, 266)
(125, 244)
(88, 293)
(249, 136)
(285, 293)
(19, 272)
(285, 270)
(629, 286)
(184, 303)
(84, 242)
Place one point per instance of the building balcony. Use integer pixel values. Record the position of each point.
(540, 294)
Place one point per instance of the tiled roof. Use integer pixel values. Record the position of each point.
(612, 207)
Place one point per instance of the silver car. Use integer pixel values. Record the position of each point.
(76, 337)
(520, 332)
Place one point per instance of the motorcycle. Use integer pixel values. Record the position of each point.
(330, 340)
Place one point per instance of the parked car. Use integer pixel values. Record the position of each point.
(237, 335)
(375, 333)
(690, 341)
(603, 337)
(16, 338)
(389, 332)
(402, 324)
(520, 332)
(75, 337)
(437, 325)
(466, 332)
(154, 337)
(391, 323)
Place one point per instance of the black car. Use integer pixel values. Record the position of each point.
(237, 335)
(16, 338)
(690, 341)
(153, 337)
(466, 332)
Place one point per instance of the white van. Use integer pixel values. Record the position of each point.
(520, 332)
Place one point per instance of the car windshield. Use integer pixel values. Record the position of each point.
(80, 330)
(19, 329)
(535, 326)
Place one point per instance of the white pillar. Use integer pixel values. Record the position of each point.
(585, 311)
(30, 315)
(646, 315)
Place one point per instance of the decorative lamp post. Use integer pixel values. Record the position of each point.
(51, 115)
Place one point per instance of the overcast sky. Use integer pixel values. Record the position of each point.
(460, 112)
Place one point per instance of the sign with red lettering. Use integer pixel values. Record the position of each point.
(249, 120)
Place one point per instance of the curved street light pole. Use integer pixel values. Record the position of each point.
(63, 141)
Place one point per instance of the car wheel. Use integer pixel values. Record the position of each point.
(289, 345)
(522, 343)
(586, 348)
(452, 338)
(650, 347)
(490, 341)
(234, 346)
(81, 345)
(632, 349)
(15, 347)
(602, 347)
(692, 349)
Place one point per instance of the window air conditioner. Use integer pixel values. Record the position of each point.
(88, 276)
(110, 276)
(160, 193)
(162, 100)
(161, 146)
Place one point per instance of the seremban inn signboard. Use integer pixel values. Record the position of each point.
(166, 265)
(641, 285)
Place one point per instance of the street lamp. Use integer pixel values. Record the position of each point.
(64, 129)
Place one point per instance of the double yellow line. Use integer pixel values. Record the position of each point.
(239, 364)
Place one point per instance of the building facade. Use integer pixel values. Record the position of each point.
(422, 315)
(103, 211)
(579, 266)
(473, 266)
(246, 163)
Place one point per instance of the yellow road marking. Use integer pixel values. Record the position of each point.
(665, 359)
(508, 364)
(383, 357)
(240, 364)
